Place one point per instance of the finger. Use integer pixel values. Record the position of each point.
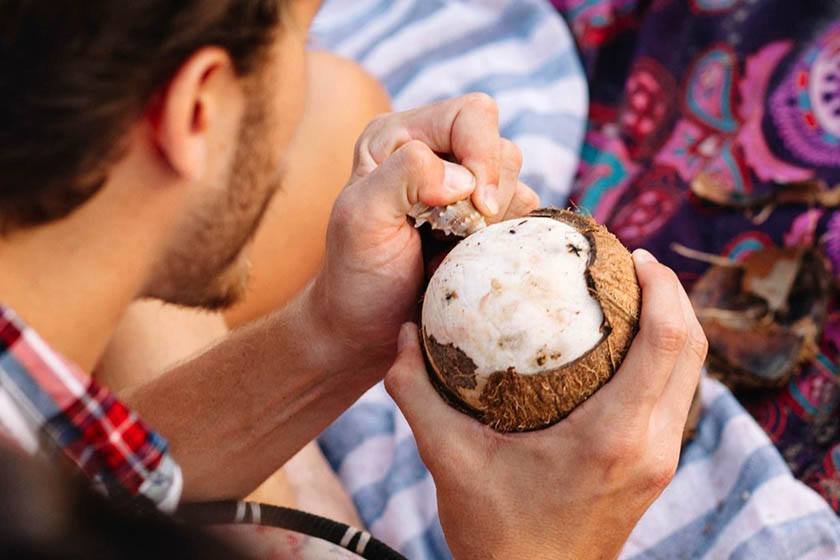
(510, 166)
(466, 127)
(525, 201)
(408, 384)
(412, 174)
(641, 379)
(674, 406)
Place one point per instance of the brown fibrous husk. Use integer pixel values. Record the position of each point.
(764, 316)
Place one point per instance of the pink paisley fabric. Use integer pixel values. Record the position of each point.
(746, 92)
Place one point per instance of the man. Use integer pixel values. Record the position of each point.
(153, 336)
(140, 146)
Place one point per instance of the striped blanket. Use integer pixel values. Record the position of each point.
(733, 496)
(518, 51)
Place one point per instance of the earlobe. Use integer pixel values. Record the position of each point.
(194, 160)
(182, 116)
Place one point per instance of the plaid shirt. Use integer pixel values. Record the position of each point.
(48, 404)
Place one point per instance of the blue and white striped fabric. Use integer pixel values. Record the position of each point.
(518, 51)
(733, 496)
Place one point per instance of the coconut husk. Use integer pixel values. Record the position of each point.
(770, 275)
(809, 193)
(510, 402)
(764, 316)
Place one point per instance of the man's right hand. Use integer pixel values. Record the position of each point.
(373, 268)
(576, 489)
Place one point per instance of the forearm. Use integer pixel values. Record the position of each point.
(239, 411)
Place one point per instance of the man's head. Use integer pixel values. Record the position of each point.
(183, 106)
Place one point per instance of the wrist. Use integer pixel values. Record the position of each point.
(341, 348)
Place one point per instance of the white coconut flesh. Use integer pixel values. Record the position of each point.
(515, 295)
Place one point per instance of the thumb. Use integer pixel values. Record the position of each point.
(408, 384)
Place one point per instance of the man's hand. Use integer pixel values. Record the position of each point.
(576, 489)
(370, 282)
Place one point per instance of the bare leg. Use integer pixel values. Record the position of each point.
(153, 337)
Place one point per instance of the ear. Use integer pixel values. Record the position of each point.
(203, 101)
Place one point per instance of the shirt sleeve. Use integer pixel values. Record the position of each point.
(47, 404)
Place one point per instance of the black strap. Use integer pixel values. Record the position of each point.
(251, 513)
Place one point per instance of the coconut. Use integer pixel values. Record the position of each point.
(526, 319)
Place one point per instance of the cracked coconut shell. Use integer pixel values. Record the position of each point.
(763, 316)
(539, 384)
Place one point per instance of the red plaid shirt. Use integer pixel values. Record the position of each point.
(47, 403)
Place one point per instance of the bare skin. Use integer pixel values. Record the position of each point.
(153, 337)
(289, 247)
(620, 447)
(172, 220)
(276, 384)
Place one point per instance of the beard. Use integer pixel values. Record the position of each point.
(208, 266)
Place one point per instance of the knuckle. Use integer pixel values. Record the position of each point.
(482, 101)
(359, 150)
(369, 131)
(342, 211)
(698, 343)
(376, 124)
(613, 451)
(669, 335)
(395, 381)
(361, 142)
(364, 143)
(415, 155)
(659, 473)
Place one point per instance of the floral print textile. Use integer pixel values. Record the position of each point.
(740, 98)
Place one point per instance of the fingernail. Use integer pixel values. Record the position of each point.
(642, 256)
(457, 178)
(489, 196)
(405, 337)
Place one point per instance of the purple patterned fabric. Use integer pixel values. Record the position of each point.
(745, 93)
